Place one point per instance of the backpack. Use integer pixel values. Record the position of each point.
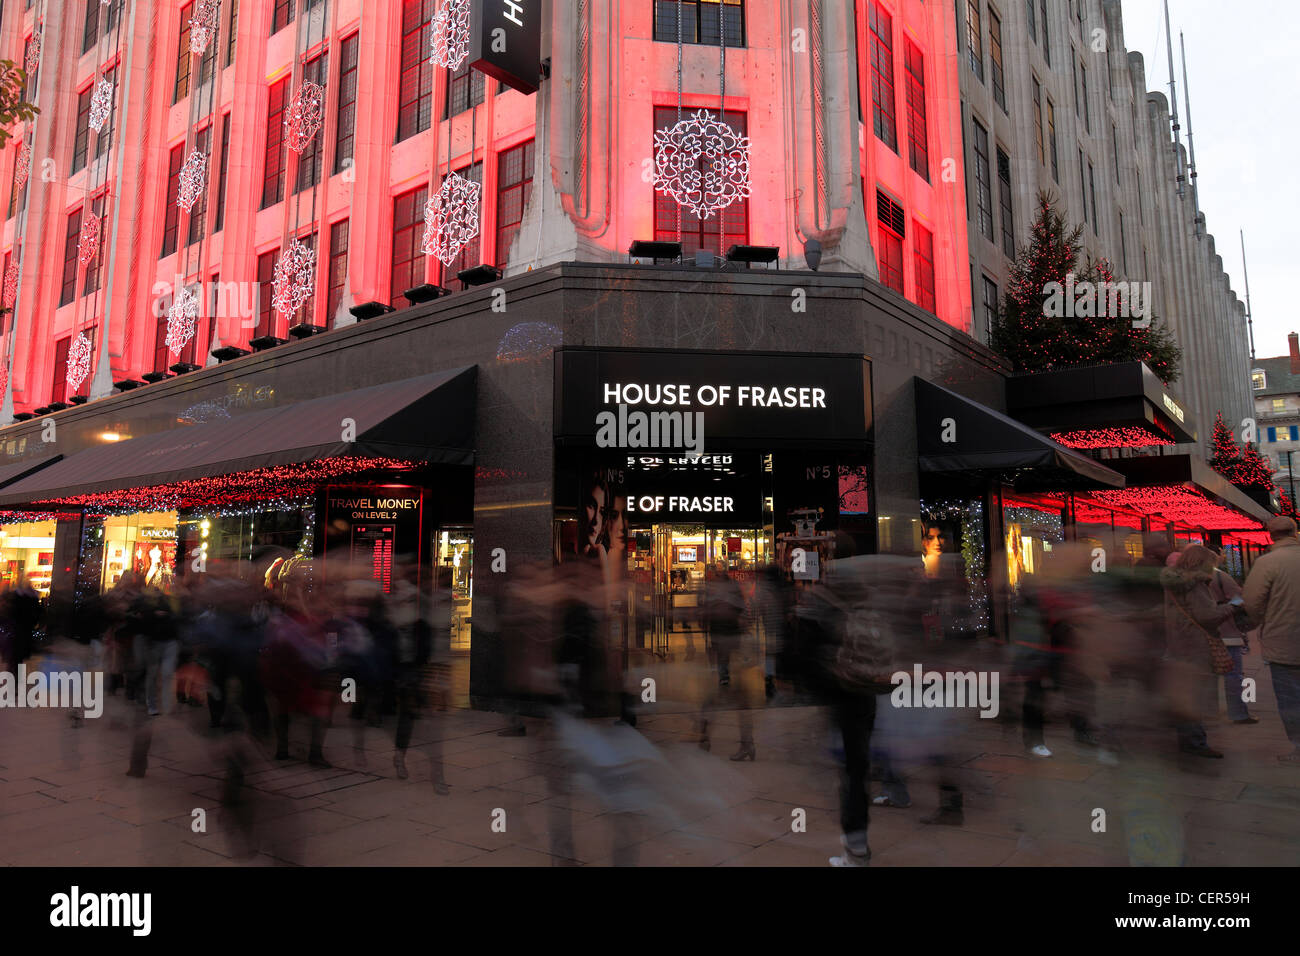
(864, 661)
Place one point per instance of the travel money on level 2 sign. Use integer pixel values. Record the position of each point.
(505, 41)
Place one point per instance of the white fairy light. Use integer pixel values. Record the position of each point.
(24, 167)
(306, 111)
(295, 278)
(193, 180)
(451, 217)
(33, 54)
(101, 104)
(182, 320)
(203, 25)
(78, 361)
(11, 287)
(702, 163)
(451, 34)
(88, 243)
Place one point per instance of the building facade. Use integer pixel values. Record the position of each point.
(1276, 383)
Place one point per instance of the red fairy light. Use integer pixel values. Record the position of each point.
(1176, 503)
(1127, 436)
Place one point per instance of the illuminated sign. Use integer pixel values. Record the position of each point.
(1173, 407)
(158, 532)
(505, 41)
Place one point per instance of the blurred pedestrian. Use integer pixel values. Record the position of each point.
(1272, 598)
(1233, 633)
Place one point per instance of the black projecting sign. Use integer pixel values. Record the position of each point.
(505, 41)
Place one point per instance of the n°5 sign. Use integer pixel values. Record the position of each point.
(505, 41)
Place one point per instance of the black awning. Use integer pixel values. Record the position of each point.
(21, 469)
(987, 442)
(429, 419)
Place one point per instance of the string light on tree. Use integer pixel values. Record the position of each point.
(303, 121)
(702, 163)
(295, 278)
(78, 361)
(182, 319)
(203, 25)
(451, 34)
(101, 104)
(193, 180)
(451, 217)
(88, 243)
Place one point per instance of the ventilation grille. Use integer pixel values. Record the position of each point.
(890, 214)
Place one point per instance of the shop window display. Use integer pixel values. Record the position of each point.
(27, 554)
(952, 546)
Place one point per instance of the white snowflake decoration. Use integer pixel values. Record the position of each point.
(182, 320)
(451, 34)
(78, 361)
(193, 180)
(203, 25)
(702, 163)
(33, 54)
(11, 287)
(24, 168)
(4, 379)
(451, 217)
(101, 104)
(88, 244)
(306, 112)
(295, 278)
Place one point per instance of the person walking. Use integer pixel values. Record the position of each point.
(1272, 597)
(1232, 632)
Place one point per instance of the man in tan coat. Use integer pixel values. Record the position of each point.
(1272, 596)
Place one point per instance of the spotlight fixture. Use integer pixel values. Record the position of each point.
(23, 416)
(264, 342)
(479, 275)
(425, 293)
(654, 250)
(127, 384)
(751, 254)
(152, 377)
(58, 406)
(370, 310)
(812, 254)
(79, 399)
(304, 330)
(182, 368)
(228, 352)
(43, 410)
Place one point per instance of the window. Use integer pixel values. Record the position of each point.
(1051, 139)
(91, 283)
(171, 212)
(7, 303)
(697, 234)
(307, 311)
(700, 21)
(990, 303)
(1123, 243)
(465, 88)
(882, 75)
(1047, 40)
(221, 173)
(81, 136)
(1033, 30)
(1083, 90)
(471, 253)
(918, 150)
(923, 266)
(59, 391)
(281, 16)
(1257, 379)
(889, 233)
(345, 129)
(1074, 84)
(1083, 188)
(974, 41)
(234, 28)
(338, 275)
(995, 59)
(408, 237)
(15, 193)
(1004, 201)
(983, 184)
(1114, 145)
(514, 186)
(316, 70)
(1092, 187)
(276, 149)
(199, 211)
(182, 88)
(90, 33)
(1279, 405)
(415, 95)
(104, 138)
(265, 291)
(1038, 119)
(68, 291)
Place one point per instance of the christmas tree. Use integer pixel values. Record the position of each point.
(1043, 326)
(1285, 505)
(1227, 456)
(1254, 470)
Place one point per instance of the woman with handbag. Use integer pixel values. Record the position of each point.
(1195, 654)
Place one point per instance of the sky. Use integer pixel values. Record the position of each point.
(1242, 71)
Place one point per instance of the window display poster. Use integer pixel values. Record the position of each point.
(373, 527)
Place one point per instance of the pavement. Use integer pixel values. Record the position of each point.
(66, 800)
